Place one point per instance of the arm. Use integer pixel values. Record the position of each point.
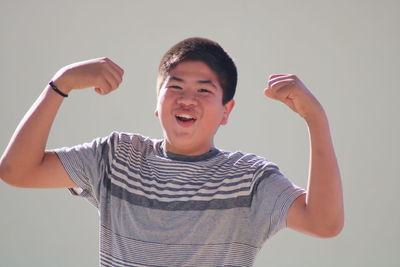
(320, 212)
(25, 163)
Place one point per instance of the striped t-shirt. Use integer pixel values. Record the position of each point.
(162, 209)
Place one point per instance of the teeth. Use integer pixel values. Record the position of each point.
(185, 116)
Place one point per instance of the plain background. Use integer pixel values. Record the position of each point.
(346, 52)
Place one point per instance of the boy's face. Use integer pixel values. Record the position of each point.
(190, 108)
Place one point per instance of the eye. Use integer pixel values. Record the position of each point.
(204, 90)
(175, 87)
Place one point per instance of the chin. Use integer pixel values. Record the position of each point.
(182, 143)
(186, 146)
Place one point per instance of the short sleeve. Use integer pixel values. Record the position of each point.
(88, 164)
(272, 198)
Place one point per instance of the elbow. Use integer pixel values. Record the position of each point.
(330, 233)
(5, 175)
(330, 230)
(8, 176)
(3, 171)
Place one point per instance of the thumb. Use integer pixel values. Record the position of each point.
(99, 91)
(281, 94)
(268, 92)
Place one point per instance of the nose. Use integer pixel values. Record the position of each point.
(187, 97)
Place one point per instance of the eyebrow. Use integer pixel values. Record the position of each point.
(174, 78)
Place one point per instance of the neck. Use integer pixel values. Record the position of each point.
(187, 151)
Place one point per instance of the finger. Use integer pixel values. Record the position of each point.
(115, 74)
(272, 76)
(111, 65)
(280, 93)
(112, 81)
(281, 83)
(108, 65)
(117, 68)
(104, 87)
(276, 78)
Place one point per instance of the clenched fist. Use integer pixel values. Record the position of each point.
(289, 89)
(101, 73)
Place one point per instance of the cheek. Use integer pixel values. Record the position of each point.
(161, 103)
(215, 113)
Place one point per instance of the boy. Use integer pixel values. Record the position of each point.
(180, 201)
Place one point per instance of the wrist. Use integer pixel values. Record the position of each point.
(317, 115)
(61, 85)
(55, 89)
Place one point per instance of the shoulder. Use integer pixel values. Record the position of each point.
(239, 158)
(243, 164)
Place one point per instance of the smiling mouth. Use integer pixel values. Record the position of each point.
(185, 118)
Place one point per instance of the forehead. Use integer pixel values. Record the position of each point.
(194, 71)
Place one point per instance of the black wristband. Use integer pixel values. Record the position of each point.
(54, 87)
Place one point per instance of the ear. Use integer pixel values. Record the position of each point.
(227, 110)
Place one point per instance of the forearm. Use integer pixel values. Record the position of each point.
(27, 146)
(324, 201)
